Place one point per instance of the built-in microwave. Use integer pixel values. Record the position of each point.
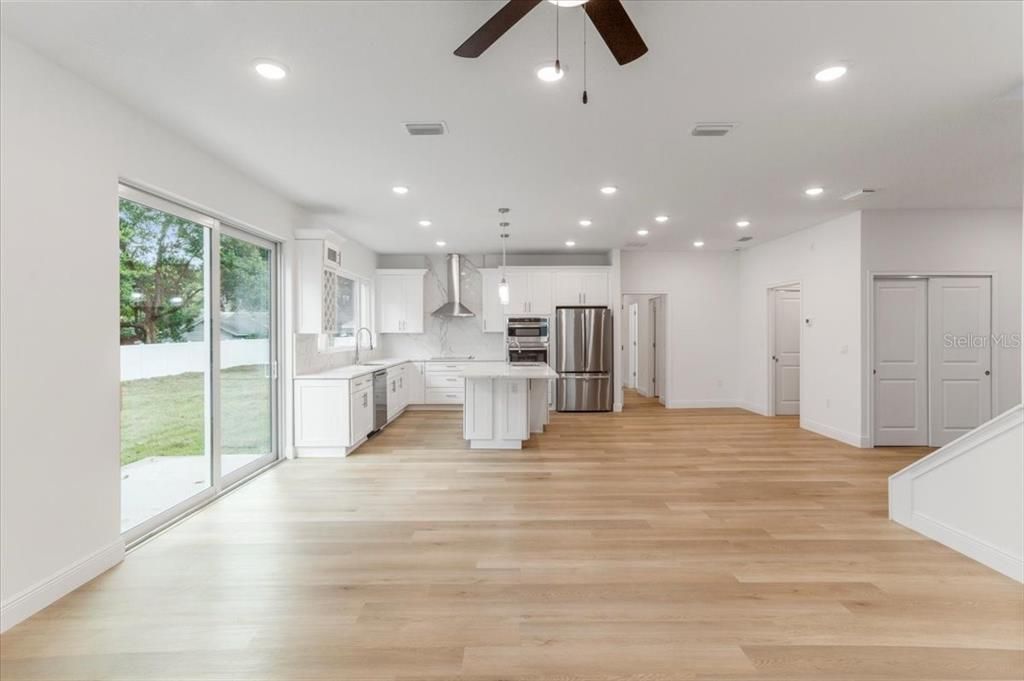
(527, 330)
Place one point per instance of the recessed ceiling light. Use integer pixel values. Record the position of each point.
(271, 70)
(831, 73)
(550, 73)
(609, 190)
(570, 244)
(814, 191)
(585, 223)
(661, 218)
(425, 223)
(698, 244)
(743, 223)
(399, 189)
(642, 232)
(441, 243)
(567, 3)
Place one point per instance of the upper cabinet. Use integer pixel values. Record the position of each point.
(319, 260)
(529, 292)
(400, 301)
(539, 290)
(581, 287)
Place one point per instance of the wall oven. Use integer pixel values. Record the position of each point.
(526, 339)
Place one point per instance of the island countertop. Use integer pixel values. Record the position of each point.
(508, 370)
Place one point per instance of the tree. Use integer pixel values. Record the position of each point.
(162, 287)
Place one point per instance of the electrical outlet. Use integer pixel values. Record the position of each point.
(828, 403)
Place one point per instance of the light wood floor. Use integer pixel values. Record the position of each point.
(653, 544)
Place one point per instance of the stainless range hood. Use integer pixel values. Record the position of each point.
(454, 306)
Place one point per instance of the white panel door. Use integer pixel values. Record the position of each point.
(391, 296)
(594, 287)
(512, 406)
(901, 362)
(787, 352)
(634, 340)
(960, 351)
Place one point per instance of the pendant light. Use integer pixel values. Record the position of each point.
(503, 292)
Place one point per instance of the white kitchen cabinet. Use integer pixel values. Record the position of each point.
(415, 383)
(444, 383)
(318, 264)
(492, 313)
(322, 413)
(581, 287)
(362, 414)
(529, 292)
(400, 301)
(395, 392)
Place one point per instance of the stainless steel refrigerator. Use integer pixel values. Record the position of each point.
(583, 358)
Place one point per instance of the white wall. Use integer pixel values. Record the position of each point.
(701, 307)
(825, 260)
(954, 242)
(967, 495)
(63, 146)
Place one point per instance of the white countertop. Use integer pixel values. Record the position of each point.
(356, 370)
(506, 370)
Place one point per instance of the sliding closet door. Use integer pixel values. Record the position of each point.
(901, 362)
(959, 339)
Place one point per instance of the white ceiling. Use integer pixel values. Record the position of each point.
(923, 113)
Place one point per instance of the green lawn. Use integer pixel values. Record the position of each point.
(164, 416)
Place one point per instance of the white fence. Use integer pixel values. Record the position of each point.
(168, 359)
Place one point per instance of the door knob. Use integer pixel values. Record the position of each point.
(987, 372)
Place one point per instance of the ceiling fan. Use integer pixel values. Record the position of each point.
(608, 16)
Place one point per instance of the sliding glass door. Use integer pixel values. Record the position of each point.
(198, 350)
(248, 371)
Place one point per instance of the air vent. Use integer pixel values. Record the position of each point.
(712, 129)
(744, 238)
(419, 129)
(859, 192)
(636, 244)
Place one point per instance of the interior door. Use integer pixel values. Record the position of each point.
(652, 312)
(960, 351)
(786, 356)
(634, 330)
(901, 362)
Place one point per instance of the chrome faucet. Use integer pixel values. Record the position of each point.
(360, 330)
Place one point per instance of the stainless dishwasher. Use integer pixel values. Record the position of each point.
(380, 399)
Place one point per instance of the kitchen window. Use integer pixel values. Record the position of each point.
(351, 309)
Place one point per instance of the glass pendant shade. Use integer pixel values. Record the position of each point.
(503, 291)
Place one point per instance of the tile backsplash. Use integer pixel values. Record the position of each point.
(441, 337)
(445, 337)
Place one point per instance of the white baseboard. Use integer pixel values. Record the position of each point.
(617, 406)
(700, 404)
(970, 546)
(852, 439)
(758, 409)
(23, 605)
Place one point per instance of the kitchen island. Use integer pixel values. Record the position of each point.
(505, 403)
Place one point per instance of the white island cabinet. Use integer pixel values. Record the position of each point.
(504, 403)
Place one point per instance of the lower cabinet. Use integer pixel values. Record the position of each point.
(496, 409)
(362, 415)
(443, 383)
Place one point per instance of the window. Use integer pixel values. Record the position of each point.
(352, 309)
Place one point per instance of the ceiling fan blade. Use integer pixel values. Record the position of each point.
(620, 35)
(495, 27)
